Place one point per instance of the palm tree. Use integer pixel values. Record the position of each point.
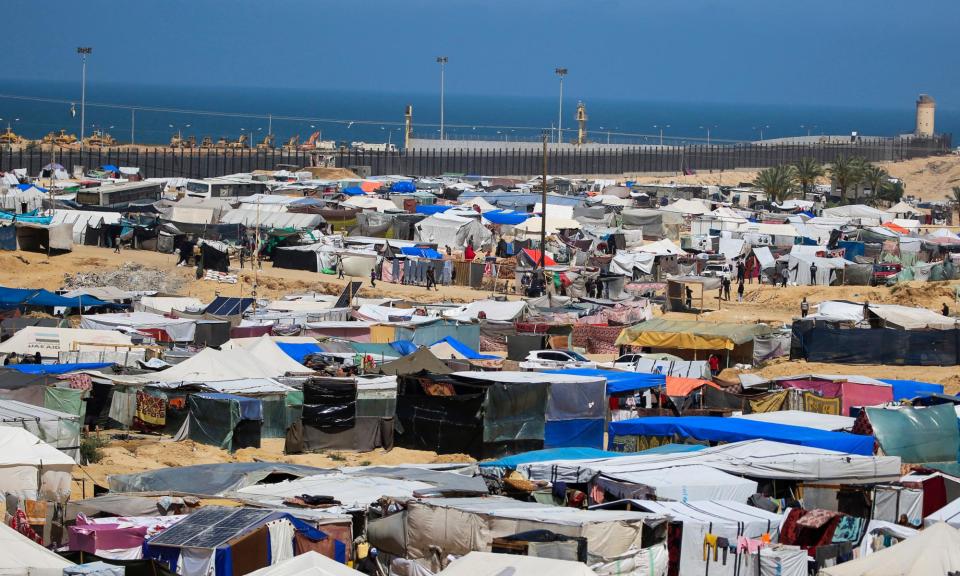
(875, 178)
(845, 173)
(808, 170)
(776, 182)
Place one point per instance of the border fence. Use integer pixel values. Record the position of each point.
(204, 163)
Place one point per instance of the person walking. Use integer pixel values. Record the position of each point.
(945, 310)
(339, 267)
(804, 307)
(741, 271)
(725, 288)
(243, 250)
(373, 277)
(740, 292)
(116, 245)
(714, 362)
(432, 279)
(813, 274)
(689, 294)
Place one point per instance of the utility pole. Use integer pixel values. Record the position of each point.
(543, 214)
(83, 51)
(133, 123)
(442, 61)
(561, 72)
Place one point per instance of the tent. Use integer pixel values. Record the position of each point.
(24, 557)
(17, 297)
(59, 429)
(619, 382)
(226, 421)
(505, 217)
(866, 214)
(452, 230)
(935, 550)
(714, 429)
(917, 434)
(417, 362)
(690, 335)
(207, 479)
(450, 347)
(264, 359)
(532, 226)
(494, 310)
(41, 238)
(826, 422)
(754, 458)
(24, 459)
(50, 342)
(354, 413)
(851, 390)
(910, 389)
(684, 206)
(490, 564)
(308, 564)
(728, 519)
(177, 329)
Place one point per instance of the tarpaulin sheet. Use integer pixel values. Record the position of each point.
(875, 346)
(851, 394)
(515, 412)
(421, 252)
(67, 400)
(917, 435)
(443, 424)
(213, 420)
(910, 389)
(563, 433)
(14, 297)
(432, 208)
(57, 368)
(462, 349)
(8, 238)
(619, 382)
(275, 421)
(717, 429)
(329, 403)
(690, 335)
(571, 453)
(503, 217)
(298, 351)
(206, 479)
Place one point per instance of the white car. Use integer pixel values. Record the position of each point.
(626, 362)
(555, 359)
(717, 270)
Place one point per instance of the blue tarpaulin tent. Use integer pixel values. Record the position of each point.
(717, 429)
(581, 454)
(299, 351)
(403, 187)
(463, 349)
(109, 168)
(25, 187)
(431, 208)
(15, 297)
(56, 368)
(619, 382)
(910, 389)
(226, 306)
(421, 252)
(404, 347)
(508, 218)
(353, 191)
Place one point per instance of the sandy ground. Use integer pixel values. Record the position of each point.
(139, 453)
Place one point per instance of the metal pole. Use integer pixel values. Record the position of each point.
(83, 51)
(133, 123)
(442, 60)
(561, 72)
(543, 214)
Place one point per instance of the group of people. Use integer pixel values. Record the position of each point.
(12, 358)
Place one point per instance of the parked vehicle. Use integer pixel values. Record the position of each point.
(555, 359)
(718, 270)
(885, 273)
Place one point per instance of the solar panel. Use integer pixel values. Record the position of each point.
(209, 527)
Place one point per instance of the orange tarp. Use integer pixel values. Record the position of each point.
(895, 228)
(683, 386)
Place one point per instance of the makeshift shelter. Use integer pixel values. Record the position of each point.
(917, 435)
(713, 429)
(689, 338)
(490, 564)
(24, 557)
(451, 230)
(459, 526)
(208, 479)
(31, 468)
(493, 310)
(59, 429)
(729, 519)
(849, 391)
(226, 421)
(826, 422)
(50, 342)
(346, 413)
(422, 361)
(935, 550)
(117, 538)
(41, 238)
(172, 329)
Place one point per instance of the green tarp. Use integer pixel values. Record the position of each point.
(219, 419)
(917, 435)
(67, 400)
(274, 417)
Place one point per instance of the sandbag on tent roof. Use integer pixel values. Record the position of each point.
(935, 550)
(490, 564)
(207, 479)
(715, 429)
(23, 557)
(690, 335)
(917, 434)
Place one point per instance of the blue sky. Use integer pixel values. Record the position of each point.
(871, 53)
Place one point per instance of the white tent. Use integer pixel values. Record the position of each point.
(179, 329)
(59, 429)
(866, 214)
(801, 267)
(904, 317)
(451, 230)
(367, 203)
(494, 310)
(478, 201)
(354, 492)
(24, 458)
(554, 224)
(167, 304)
(683, 483)
(21, 556)
(664, 247)
(949, 514)
(307, 564)
(935, 550)
(81, 219)
(490, 564)
(684, 206)
(250, 218)
(724, 518)
(624, 263)
(51, 341)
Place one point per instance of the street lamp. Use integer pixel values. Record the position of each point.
(83, 51)
(661, 127)
(707, 128)
(179, 131)
(561, 72)
(442, 61)
(761, 129)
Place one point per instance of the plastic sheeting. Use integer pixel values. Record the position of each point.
(714, 429)
(910, 389)
(619, 382)
(207, 479)
(917, 435)
(935, 550)
(875, 346)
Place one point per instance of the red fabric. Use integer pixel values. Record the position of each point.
(19, 523)
(934, 495)
(534, 255)
(850, 393)
(714, 364)
(469, 253)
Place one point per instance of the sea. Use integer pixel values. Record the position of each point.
(151, 114)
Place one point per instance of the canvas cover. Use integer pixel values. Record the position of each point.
(420, 361)
(24, 458)
(206, 479)
(935, 550)
(490, 564)
(179, 329)
(24, 557)
(917, 434)
(309, 563)
(51, 341)
(690, 335)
